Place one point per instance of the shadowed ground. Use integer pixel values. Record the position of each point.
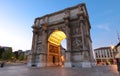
(23, 70)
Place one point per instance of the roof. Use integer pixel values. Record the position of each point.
(118, 44)
(102, 48)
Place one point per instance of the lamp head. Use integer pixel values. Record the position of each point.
(112, 47)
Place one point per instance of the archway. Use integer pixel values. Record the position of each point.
(51, 29)
(56, 54)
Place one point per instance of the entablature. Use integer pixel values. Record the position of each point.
(58, 17)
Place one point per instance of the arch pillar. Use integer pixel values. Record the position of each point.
(33, 54)
(68, 52)
(42, 60)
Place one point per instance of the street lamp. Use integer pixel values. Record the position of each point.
(112, 47)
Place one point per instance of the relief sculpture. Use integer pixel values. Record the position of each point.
(39, 47)
(76, 28)
(39, 38)
(77, 44)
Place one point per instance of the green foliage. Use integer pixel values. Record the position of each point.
(7, 54)
(21, 57)
(1, 51)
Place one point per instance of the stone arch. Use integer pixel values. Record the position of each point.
(59, 31)
(76, 26)
(60, 28)
(55, 57)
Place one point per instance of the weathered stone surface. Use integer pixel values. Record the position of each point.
(74, 22)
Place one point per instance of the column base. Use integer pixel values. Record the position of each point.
(86, 65)
(29, 64)
(40, 65)
(68, 64)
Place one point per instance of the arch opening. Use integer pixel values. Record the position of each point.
(56, 51)
(56, 37)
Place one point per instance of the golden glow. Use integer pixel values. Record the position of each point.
(56, 37)
(62, 58)
(112, 47)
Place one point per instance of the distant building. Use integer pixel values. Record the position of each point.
(118, 47)
(18, 53)
(27, 54)
(5, 48)
(105, 55)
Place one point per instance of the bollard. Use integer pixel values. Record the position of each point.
(2, 64)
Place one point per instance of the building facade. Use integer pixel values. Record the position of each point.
(105, 55)
(118, 47)
(118, 50)
(27, 55)
(48, 32)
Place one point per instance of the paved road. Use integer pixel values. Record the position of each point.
(23, 70)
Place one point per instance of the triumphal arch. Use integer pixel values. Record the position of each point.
(71, 24)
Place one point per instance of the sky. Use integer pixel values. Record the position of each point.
(17, 17)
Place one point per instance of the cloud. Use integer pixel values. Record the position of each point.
(105, 27)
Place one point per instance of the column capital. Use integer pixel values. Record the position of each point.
(35, 31)
(44, 27)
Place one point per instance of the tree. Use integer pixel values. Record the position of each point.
(21, 57)
(1, 51)
(7, 54)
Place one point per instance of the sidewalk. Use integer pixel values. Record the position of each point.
(23, 70)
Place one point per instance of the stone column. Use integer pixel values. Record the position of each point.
(68, 52)
(44, 51)
(85, 41)
(32, 61)
(92, 59)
